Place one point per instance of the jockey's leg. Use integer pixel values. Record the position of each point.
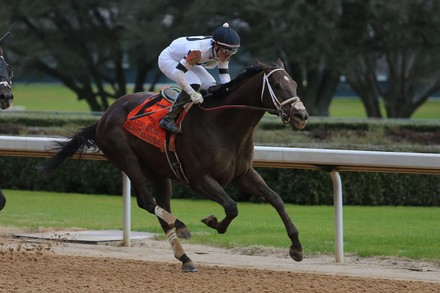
(168, 122)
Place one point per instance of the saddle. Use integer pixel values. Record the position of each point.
(143, 122)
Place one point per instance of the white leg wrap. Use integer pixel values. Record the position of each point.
(175, 244)
(164, 215)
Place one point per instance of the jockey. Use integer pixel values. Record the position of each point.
(185, 61)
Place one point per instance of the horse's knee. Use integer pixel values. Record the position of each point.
(148, 206)
(278, 203)
(231, 209)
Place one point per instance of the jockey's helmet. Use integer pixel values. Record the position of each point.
(226, 37)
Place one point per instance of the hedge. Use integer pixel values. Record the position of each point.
(303, 187)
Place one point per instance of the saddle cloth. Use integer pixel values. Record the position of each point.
(143, 121)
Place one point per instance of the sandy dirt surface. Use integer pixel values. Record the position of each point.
(149, 266)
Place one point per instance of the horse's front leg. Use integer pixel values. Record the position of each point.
(252, 183)
(2, 200)
(213, 190)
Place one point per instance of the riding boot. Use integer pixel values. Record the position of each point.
(168, 122)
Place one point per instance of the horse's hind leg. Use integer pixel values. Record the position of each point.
(129, 163)
(167, 220)
(163, 191)
(252, 183)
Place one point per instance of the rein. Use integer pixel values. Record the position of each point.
(243, 107)
(276, 102)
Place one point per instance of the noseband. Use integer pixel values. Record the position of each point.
(5, 83)
(276, 102)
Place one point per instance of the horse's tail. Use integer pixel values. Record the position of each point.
(82, 140)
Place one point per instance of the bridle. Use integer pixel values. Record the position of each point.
(276, 102)
(5, 80)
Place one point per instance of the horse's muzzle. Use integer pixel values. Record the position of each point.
(6, 97)
(299, 116)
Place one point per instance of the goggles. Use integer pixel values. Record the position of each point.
(228, 51)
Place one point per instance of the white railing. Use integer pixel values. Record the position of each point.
(332, 161)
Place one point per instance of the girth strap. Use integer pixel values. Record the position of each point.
(173, 159)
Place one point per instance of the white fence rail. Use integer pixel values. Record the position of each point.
(332, 161)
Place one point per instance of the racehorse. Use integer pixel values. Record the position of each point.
(6, 95)
(215, 149)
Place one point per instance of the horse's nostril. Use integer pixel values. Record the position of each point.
(298, 116)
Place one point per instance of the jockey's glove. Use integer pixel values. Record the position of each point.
(196, 97)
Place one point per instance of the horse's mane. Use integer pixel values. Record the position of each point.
(241, 77)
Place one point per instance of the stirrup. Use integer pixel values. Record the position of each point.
(169, 125)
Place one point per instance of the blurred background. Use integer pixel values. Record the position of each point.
(382, 54)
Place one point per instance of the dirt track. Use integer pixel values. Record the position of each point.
(149, 266)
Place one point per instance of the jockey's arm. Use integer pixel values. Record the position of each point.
(182, 67)
(223, 70)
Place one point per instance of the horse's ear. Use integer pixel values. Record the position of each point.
(280, 63)
(1, 51)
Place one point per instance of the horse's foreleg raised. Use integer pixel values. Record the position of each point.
(252, 183)
(212, 189)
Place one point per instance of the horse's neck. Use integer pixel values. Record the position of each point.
(248, 93)
(240, 111)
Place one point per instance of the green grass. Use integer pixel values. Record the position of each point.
(47, 97)
(55, 97)
(352, 107)
(368, 231)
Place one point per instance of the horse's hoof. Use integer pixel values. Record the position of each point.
(183, 233)
(210, 221)
(296, 254)
(189, 267)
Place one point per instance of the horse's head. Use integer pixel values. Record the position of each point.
(6, 96)
(279, 90)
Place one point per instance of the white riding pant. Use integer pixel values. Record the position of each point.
(196, 75)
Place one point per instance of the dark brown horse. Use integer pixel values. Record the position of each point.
(5, 94)
(215, 149)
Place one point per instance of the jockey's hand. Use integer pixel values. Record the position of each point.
(196, 97)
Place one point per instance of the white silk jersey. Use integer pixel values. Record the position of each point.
(186, 59)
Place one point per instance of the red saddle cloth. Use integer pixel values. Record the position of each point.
(143, 121)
